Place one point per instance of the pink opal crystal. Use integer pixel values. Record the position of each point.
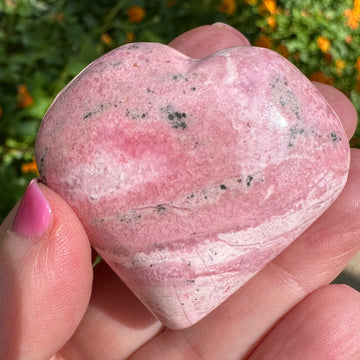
(191, 175)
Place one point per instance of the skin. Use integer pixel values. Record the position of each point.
(53, 306)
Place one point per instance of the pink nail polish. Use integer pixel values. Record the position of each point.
(34, 213)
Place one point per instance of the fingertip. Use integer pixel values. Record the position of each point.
(325, 325)
(47, 282)
(205, 40)
(342, 106)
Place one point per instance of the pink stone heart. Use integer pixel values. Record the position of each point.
(191, 175)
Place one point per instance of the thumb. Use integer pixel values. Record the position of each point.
(45, 275)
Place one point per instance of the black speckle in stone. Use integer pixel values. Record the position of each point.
(335, 138)
(193, 88)
(133, 46)
(249, 179)
(176, 118)
(180, 76)
(161, 209)
(149, 91)
(284, 96)
(295, 131)
(115, 64)
(223, 187)
(88, 115)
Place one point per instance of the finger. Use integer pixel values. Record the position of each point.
(321, 327)
(341, 105)
(115, 317)
(45, 275)
(205, 40)
(313, 260)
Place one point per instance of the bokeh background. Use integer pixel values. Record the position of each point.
(45, 43)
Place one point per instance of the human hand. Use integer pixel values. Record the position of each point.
(50, 303)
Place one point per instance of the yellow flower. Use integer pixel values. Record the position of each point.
(252, 2)
(30, 167)
(356, 8)
(323, 44)
(340, 66)
(270, 6)
(227, 6)
(136, 14)
(130, 37)
(106, 38)
(24, 98)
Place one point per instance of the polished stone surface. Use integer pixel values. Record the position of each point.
(191, 175)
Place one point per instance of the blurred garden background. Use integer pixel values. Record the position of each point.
(45, 43)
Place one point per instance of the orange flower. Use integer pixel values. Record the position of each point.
(30, 167)
(323, 44)
(228, 7)
(252, 2)
(283, 50)
(353, 15)
(24, 98)
(1, 111)
(353, 20)
(263, 41)
(271, 20)
(171, 3)
(136, 14)
(106, 38)
(270, 6)
(357, 67)
(348, 39)
(321, 77)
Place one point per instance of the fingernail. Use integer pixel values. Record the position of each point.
(234, 31)
(34, 215)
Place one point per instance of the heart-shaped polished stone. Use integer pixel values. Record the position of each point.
(190, 175)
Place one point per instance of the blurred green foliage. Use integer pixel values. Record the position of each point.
(45, 43)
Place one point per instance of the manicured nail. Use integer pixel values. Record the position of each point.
(34, 215)
(234, 31)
